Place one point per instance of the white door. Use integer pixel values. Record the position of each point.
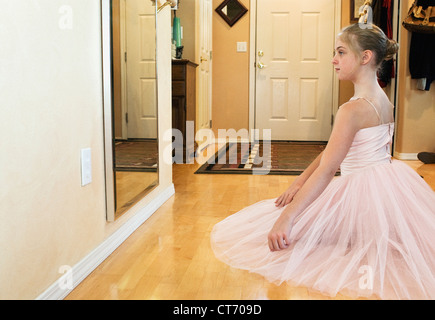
(294, 88)
(141, 69)
(205, 64)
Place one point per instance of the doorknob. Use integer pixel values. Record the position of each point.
(203, 59)
(260, 65)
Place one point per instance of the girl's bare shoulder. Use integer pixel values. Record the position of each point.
(353, 108)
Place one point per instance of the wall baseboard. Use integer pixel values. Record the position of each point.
(71, 279)
(405, 156)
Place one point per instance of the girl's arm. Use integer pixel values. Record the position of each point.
(289, 194)
(348, 122)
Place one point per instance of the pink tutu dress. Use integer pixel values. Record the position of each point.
(371, 233)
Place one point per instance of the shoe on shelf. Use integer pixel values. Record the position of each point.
(426, 157)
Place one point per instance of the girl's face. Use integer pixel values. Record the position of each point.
(345, 61)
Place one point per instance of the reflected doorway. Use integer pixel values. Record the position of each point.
(134, 101)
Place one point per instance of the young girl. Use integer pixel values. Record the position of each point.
(369, 232)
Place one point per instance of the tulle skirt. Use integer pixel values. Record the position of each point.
(369, 234)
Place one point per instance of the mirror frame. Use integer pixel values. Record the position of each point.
(106, 47)
(231, 22)
(107, 87)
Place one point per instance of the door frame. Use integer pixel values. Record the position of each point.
(198, 56)
(253, 61)
(394, 89)
(123, 49)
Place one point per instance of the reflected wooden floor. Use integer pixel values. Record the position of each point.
(169, 256)
(132, 186)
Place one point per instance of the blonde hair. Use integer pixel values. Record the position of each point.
(369, 38)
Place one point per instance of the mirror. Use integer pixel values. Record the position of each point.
(231, 11)
(134, 101)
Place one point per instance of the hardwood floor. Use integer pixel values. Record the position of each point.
(169, 256)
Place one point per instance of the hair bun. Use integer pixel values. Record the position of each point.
(392, 49)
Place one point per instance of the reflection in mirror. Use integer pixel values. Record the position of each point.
(231, 11)
(134, 101)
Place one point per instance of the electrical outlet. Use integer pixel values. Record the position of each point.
(242, 47)
(86, 163)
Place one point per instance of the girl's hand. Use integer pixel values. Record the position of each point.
(287, 196)
(279, 235)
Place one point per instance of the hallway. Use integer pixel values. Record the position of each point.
(169, 256)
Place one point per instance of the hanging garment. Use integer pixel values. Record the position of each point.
(382, 17)
(422, 52)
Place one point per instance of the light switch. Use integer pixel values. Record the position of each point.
(242, 47)
(86, 164)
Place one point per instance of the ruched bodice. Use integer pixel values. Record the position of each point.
(371, 146)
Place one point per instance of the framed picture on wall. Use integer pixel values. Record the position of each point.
(231, 11)
(354, 9)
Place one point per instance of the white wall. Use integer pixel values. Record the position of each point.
(51, 108)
